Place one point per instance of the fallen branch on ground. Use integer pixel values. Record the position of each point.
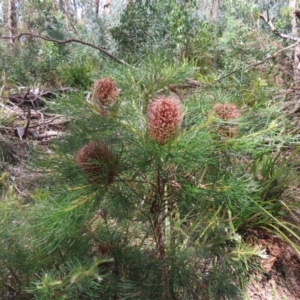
(34, 97)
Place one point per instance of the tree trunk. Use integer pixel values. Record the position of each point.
(209, 9)
(97, 7)
(63, 7)
(106, 6)
(296, 56)
(75, 8)
(12, 21)
(214, 9)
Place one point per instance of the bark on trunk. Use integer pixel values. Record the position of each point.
(106, 6)
(209, 9)
(97, 7)
(296, 56)
(12, 22)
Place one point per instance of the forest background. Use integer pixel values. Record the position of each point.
(149, 149)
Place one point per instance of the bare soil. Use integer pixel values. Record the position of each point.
(279, 278)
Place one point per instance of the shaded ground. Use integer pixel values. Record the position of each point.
(280, 276)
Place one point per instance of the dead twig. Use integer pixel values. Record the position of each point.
(28, 123)
(69, 19)
(50, 121)
(48, 134)
(190, 84)
(6, 128)
(36, 98)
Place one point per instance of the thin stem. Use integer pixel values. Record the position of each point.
(158, 230)
(160, 244)
(136, 181)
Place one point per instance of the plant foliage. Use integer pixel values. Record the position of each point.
(157, 184)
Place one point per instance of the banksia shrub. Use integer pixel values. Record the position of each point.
(98, 162)
(105, 92)
(227, 111)
(164, 119)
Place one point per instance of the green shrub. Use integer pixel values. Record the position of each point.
(76, 73)
(170, 220)
(146, 197)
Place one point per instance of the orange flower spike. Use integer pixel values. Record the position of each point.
(105, 92)
(164, 119)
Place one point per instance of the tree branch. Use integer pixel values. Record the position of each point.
(272, 56)
(68, 17)
(275, 31)
(65, 42)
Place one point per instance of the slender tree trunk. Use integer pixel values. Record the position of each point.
(106, 6)
(12, 21)
(66, 11)
(161, 247)
(75, 9)
(292, 6)
(54, 4)
(209, 8)
(97, 7)
(63, 7)
(214, 9)
(156, 210)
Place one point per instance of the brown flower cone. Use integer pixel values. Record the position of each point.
(226, 112)
(164, 119)
(105, 92)
(98, 162)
